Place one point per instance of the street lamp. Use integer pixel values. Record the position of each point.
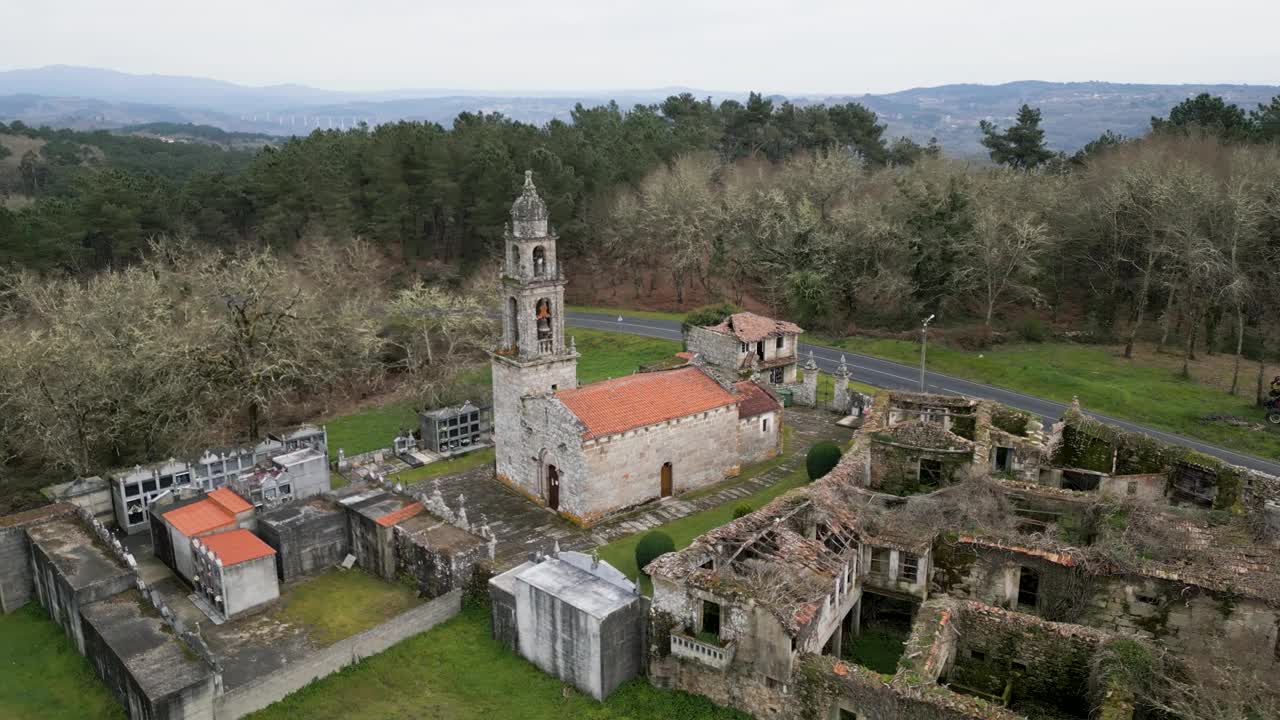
(924, 339)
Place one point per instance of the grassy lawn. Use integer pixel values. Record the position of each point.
(42, 677)
(621, 553)
(340, 603)
(452, 465)
(371, 429)
(1103, 381)
(457, 672)
(651, 314)
(877, 649)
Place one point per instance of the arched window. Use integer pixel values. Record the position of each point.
(539, 261)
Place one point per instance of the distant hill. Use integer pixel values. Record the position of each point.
(91, 98)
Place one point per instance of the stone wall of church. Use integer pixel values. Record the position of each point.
(520, 425)
(626, 469)
(759, 437)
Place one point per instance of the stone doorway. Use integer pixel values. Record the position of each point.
(553, 487)
(666, 489)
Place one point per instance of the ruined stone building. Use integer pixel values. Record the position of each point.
(963, 535)
(590, 452)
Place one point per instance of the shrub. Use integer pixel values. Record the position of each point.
(741, 510)
(708, 315)
(972, 338)
(1031, 328)
(821, 458)
(652, 546)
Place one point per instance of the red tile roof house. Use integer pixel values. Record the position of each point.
(594, 451)
(173, 526)
(235, 572)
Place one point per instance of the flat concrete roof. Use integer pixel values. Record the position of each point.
(160, 662)
(300, 513)
(436, 533)
(297, 456)
(576, 587)
(77, 552)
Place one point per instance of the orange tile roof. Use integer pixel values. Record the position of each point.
(236, 546)
(199, 517)
(400, 515)
(626, 403)
(753, 400)
(750, 327)
(229, 501)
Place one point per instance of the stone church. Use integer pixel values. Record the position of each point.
(590, 452)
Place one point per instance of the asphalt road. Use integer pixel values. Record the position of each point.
(896, 376)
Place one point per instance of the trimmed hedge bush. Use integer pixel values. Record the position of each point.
(741, 510)
(653, 545)
(821, 458)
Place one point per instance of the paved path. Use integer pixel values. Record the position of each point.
(523, 527)
(896, 376)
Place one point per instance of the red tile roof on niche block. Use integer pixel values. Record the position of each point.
(229, 501)
(236, 546)
(753, 400)
(626, 403)
(200, 517)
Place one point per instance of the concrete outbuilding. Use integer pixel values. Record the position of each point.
(575, 617)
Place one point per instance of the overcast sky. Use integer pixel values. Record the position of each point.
(835, 46)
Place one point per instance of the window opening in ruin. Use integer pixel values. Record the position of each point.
(1080, 481)
(1018, 667)
(779, 343)
(1028, 587)
(775, 376)
(1148, 599)
(976, 654)
(930, 472)
(936, 416)
(764, 425)
(760, 350)
(879, 562)
(1004, 459)
(743, 347)
(909, 567)
(710, 621)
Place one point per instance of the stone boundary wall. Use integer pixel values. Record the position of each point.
(274, 687)
(17, 586)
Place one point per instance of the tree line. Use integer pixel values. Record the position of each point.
(418, 190)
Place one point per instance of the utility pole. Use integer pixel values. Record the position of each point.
(924, 341)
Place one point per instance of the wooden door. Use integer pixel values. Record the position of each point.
(553, 487)
(666, 480)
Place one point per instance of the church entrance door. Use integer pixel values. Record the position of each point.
(666, 480)
(553, 487)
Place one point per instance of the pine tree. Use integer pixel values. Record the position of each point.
(1022, 146)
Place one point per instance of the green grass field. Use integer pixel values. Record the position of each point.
(42, 677)
(604, 355)
(340, 603)
(1103, 381)
(458, 464)
(457, 672)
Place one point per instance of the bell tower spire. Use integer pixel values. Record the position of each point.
(532, 282)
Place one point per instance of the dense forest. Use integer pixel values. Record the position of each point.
(158, 295)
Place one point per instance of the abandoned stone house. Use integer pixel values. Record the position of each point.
(767, 613)
(590, 452)
(134, 490)
(751, 343)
